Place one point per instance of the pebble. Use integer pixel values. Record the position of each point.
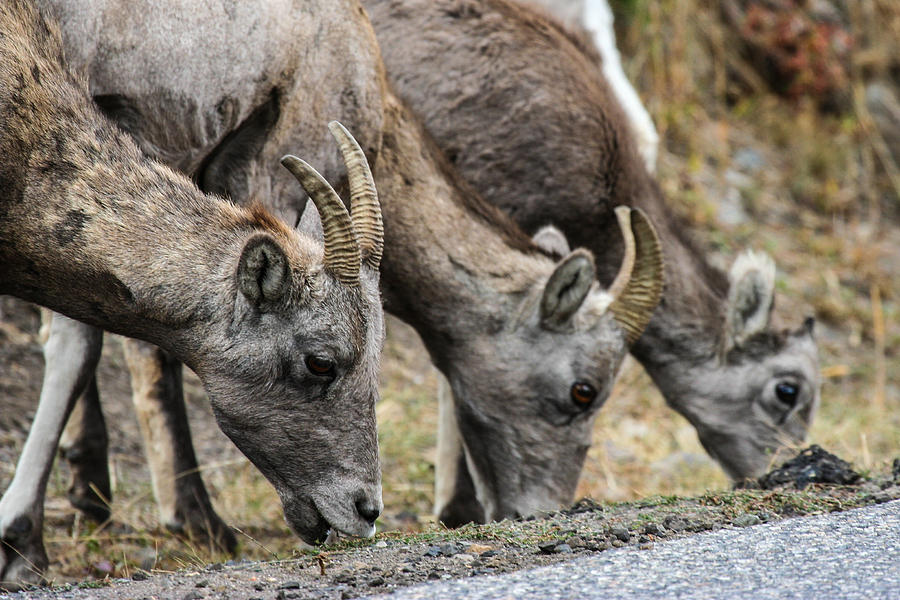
(433, 551)
(192, 595)
(489, 553)
(450, 549)
(563, 549)
(465, 557)
(620, 534)
(289, 585)
(376, 581)
(140, 576)
(202, 583)
(652, 529)
(747, 520)
(434, 575)
(381, 544)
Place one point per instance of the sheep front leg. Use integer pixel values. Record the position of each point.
(455, 501)
(71, 354)
(85, 446)
(184, 504)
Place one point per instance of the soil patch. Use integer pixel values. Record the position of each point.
(357, 568)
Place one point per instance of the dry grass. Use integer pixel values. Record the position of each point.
(823, 203)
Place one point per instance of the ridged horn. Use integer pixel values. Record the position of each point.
(341, 248)
(365, 211)
(638, 286)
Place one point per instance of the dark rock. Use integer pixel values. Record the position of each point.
(140, 576)
(433, 551)
(376, 581)
(450, 549)
(488, 553)
(258, 587)
(620, 533)
(283, 595)
(895, 470)
(812, 465)
(583, 506)
(434, 575)
(289, 585)
(548, 547)
(675, 524)
(192, 595)
(346, 577)
(652, 529)
(201, 584)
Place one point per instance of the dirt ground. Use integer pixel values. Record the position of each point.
(355, 568)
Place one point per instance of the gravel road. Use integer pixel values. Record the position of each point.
(854, 554)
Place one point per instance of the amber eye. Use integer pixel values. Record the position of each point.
(583, 393)
(318, 365)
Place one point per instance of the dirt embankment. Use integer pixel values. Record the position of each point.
(813, 482)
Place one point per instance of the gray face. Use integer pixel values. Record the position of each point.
(297, 392)
(758, 403)
(525, 403)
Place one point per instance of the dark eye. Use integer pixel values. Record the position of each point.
(787, 393)
(583, 393)
(320, 366)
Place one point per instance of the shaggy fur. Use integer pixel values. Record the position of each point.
(520, 105)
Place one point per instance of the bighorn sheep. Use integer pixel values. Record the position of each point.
(520, 106)
(529, 410)
(274, 324)
(596, 17)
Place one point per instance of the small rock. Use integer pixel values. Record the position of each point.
(479, 548)
(489, 553)
(675, 524)
(289, 585)
(434, 575)
(140, 576)
(450, 550)
(192, 595)
(376, 581)
(575, 541)
(202, 583)
(617, 543)
(465, 557)
(548, 547)
(283, 595)
(258, 587)
(345, 594)
(620, 533)
(487, 571)
(345, 577)
(645, 546)
(563, 549)
(652, 529)
(433, 551)
(747, 520)
(381, 544)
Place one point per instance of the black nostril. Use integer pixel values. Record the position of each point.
(367, 510)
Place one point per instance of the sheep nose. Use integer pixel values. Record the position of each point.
(368, 510)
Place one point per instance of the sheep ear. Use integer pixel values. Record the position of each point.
(552, 241)
(567, 288)
(751, 297)
(263, 276)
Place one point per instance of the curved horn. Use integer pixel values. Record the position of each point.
(365, 210)
(341, 248)
(638, 286)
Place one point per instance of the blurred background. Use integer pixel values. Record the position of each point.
(779, 126)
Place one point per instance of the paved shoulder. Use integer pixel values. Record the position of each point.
(853, 554)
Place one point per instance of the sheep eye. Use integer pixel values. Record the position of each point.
(787, 393)
(320, 366)
(583, 393)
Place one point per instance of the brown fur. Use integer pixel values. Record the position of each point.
(522, 108)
